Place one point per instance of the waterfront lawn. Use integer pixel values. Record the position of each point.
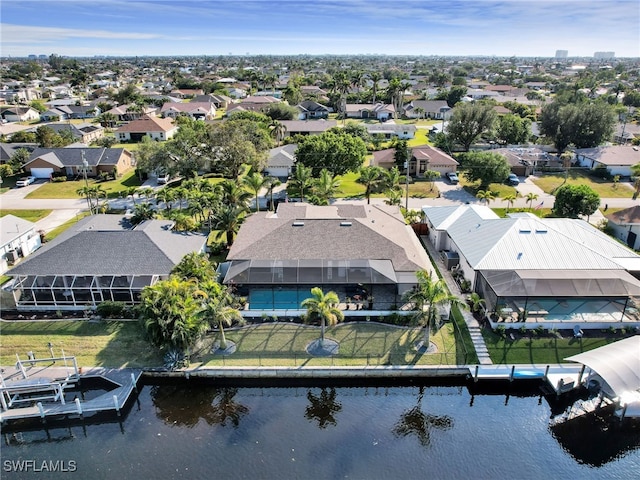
(283, 344)
(30, 215)
(605, 188)
(69, 188)
(93, 343)
(543, 350)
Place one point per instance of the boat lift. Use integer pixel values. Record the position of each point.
(35, 388)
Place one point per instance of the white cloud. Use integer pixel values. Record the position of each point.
(20, 33)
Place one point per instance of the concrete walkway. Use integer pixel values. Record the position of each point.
(469, 319)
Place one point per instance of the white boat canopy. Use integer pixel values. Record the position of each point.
(618, 364)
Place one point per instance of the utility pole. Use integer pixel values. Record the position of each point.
(85, 165)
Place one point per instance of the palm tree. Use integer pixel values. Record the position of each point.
(394, 92)
(234, 194)
(429, 294)
(219, 313)
(476, 302)
(278, 131)
(301, 179)
(141, 212)
(485, 196)
(394, 197)
(323, 307)
(510, 198)
(375, 77)
(228, 220)
(420, 112)
(530, 198)
(371, 178)
(86, 192)
(255, 181)
(325, 187)
(271, 183)
(166, 196)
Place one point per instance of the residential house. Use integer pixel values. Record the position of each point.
(617, 159)
(195, 110)
(100, 258)
(8, 150)
(130, 112)
(423, 158)
(83, 132)
(432, 109)
(307, 127)
(365, 252)
(625, 225)
(148, 126)
(44, 162)
(391, 130)
(219, 101)
(19, 240)
(19, 114)
(312, 91)
(187, 92)
(524, 160)
(281, 161)
(550, 272)
(310, 110)
(252, 104)
(55, 114)
(379, 111)
(83, 111)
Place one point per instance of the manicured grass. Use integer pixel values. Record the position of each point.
(129, 146)
(69, 188)
(541, 212)
(106, 344)
(606, 189)
(541, 350)
(30, 215)
(349, 187)
(360, 344)
(500, 190)
(61, 228)
(421, 138)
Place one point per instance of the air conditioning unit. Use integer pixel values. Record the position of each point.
(12, 257)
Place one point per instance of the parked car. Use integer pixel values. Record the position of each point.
(24, 181)
(452, 177)
(162, 178)
(513, 180)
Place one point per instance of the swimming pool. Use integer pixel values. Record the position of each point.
(278, 298)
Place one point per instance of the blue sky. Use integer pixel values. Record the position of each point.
(393, 27)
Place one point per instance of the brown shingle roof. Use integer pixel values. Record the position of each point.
(148, 124)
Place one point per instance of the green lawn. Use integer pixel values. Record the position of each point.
(105, 344)
(541, 350)
(30, 215)
(360, 344)
(541, 212)
(421, 138)
(500, 190)
(69, 188)
(120, 344)
(606, 189)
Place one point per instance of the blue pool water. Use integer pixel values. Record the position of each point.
(283, 299)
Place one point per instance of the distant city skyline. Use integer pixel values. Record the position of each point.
(290, 27)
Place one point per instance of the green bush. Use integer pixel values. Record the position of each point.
(59, 179)
(111, 309)
(501, 331)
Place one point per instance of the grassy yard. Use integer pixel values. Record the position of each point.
(541, 350)
(541, 212)
(360, 344)
(105, 344)
(119, 344)
(30, 215)
(606, 189)
(69, 188)
(500, 190)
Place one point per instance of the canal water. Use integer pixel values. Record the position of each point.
(195, 431)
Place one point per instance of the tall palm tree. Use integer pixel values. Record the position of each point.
(375, 77)
(278, 131)
(391, 179)
(234, 194)
(325, 187)
(485, 196)
(371, 178)
(86, 192)
(530, 198)
(323, 307)
(427, 296)
(254, 182)
(271, 184)
(166, 196)
(301, 179)
(228, 220)
(394, 197)
(141, 212)
(635, 172)
(219, 313)
(510, 199)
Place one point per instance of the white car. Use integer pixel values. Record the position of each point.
(24, 181)
(452, 177)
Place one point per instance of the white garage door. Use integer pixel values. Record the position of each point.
(41, 172)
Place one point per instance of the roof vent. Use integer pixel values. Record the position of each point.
(345, 224)
(298, 224)
(525, 231)
(541, 230)
(519, 255)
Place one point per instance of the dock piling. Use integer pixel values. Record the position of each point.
(78, 406)
(115, 403)
(41, 410)
(475, 376)
(513, 370)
